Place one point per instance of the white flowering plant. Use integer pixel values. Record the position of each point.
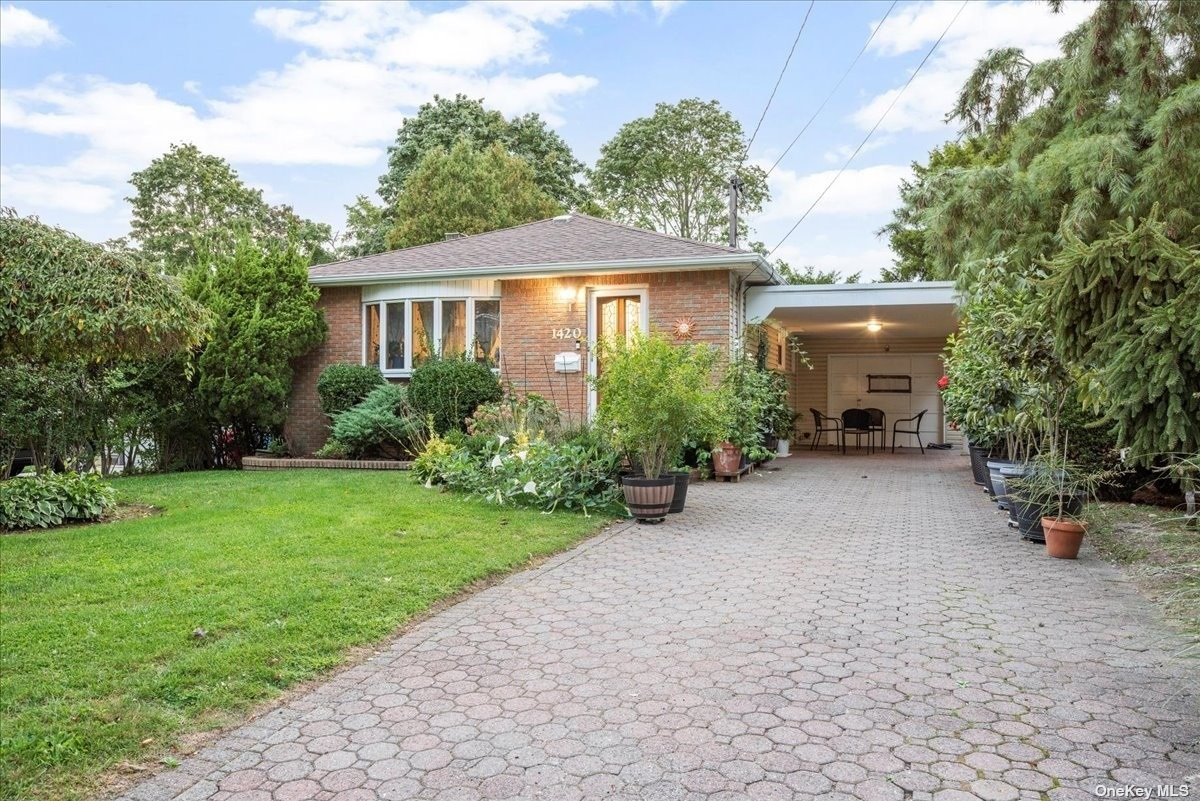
(579, 474)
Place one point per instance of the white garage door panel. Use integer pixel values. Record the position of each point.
(848, 385)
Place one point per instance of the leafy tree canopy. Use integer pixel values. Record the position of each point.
(189, 206)
(1082, 178)
(808, 274)
(367, 226)
(444, 122)
(1069, 145)
(468, 191)
(906, 232)
(670, 171)
(265, 316)
(62, 298)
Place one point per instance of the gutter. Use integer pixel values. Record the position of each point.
(554, 269)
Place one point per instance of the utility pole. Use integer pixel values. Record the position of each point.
(735, 187)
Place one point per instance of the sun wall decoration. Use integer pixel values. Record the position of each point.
(684, 328)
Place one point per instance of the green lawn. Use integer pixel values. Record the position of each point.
(285, 572)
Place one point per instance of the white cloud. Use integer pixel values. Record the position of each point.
(53, 187)
(339, 102)
(22, 28)
(838, 155)
(979, 28)
(664, 8)
(869, 190)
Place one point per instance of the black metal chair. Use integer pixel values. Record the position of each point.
(878, 423)
(823, 423)
(857, 422)
(916, 429)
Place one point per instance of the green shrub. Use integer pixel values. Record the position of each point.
(344, 386)
(450, 390)
(51, 499)
(332, 449)
(580, 474)
(428, 465)
(382, 424)
(652, 394)
(532, 414)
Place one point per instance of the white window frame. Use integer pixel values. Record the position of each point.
(436, 345)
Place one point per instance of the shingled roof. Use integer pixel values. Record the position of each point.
(560, 241)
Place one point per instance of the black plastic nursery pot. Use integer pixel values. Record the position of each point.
(979, 457)
(649, 499)
(1028, 517)
(993, 472)
(682, 479)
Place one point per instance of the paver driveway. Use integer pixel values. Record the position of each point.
(845, 627)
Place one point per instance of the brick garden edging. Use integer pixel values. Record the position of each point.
(273, 463)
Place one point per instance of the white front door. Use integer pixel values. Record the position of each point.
(849, 388)
(613, 312)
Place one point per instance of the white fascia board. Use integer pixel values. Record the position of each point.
(750, 261)
(761, 302)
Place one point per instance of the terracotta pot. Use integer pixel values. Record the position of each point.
(727, 459)
(1063, 537)
(648, 498)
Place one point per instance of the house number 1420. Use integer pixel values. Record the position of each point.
(566, 333)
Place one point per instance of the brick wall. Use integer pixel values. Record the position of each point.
(531, 309)
(307, 428)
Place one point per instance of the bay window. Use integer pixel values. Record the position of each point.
(399, 335)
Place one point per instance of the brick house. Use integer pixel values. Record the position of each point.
(530, 299)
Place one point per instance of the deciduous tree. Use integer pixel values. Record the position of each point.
(469, 191)
(444, 122)
(190, 206)
(670, 171)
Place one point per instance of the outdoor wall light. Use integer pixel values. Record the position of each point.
(566, 293)
(874, 327)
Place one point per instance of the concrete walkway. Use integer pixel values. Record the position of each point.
(843, 627)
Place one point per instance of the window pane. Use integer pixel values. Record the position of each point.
(422, 330)
(454, 328)
(487, 332)
(395, 336)
(373, 334)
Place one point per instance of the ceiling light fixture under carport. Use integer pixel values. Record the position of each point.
(874, 326)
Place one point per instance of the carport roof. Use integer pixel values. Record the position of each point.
(921, 309)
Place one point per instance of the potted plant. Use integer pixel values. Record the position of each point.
(652, 393)
(1050, 497)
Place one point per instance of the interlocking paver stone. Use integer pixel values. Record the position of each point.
(803, 634)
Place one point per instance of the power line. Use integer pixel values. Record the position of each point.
(873, 129)
(833, 91)
(795, 41)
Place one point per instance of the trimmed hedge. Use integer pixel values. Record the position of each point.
(51, 499)
(344, 386)
(450, 390)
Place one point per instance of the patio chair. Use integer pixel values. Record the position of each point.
(823, 423)
(878, 423)
(916, 429)
(858, 423)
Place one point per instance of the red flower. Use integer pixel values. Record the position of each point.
(943, 382)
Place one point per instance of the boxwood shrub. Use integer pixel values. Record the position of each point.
(51, 499)
(449, 390)
(343, 386)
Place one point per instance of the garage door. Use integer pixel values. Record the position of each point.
(849, 388)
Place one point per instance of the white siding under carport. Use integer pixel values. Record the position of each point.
(849, 388)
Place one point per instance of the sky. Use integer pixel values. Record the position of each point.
(304, 98)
